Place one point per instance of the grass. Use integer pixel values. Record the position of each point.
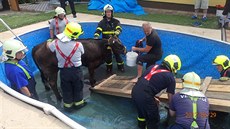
(24, 18)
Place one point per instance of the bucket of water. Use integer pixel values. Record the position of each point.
(131, 58)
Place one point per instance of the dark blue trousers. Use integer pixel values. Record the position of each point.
(72, 84)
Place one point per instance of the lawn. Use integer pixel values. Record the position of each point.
(25, 18)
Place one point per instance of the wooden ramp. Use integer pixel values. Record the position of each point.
(217, 92)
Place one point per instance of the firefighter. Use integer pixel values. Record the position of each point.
(190, 106)
(58, 23)
(154, 80)
(69, 52)
(17, 72)
(109, 26)
(223, 66)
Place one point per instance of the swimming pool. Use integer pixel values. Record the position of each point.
(105, 112)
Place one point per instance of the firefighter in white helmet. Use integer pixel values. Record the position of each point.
(58, 23)
(109, 26)
(190, 105)
(17, 72)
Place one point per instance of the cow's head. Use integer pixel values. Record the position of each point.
(115, 43)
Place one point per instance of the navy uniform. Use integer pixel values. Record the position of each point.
(108, 27)
(154, 80)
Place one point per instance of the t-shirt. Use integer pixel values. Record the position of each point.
(16, 75)
(154, 41)
(182, 105)
(61, 25)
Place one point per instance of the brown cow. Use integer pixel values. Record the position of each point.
(93, 57)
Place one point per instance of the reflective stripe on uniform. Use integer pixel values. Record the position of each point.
(68, 105)
(108, 32)
(154, 71)
(96, 34)
(23, 69)
(109, 63)
(99, 28)
(79, 103)
(118, 27)
(67, 59)
(120, 63)
(194, 110)
(140, 119)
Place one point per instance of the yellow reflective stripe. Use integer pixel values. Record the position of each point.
(68, 105)
(109, 63)
(79, 103)
(118, 27)
(96, 34)
(99, 28)
(121, 63)
(193, 83)
(108, 32)
(23, 69)
(140, 119)
(109, 47)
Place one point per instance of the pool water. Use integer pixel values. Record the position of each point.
(109, 112)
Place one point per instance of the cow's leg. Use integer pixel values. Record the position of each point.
(52, 79)
(45, 81)
(91, 76)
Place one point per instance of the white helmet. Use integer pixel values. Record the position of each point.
(108, 7)
(11, 47)
(59, 10)
(191, 80)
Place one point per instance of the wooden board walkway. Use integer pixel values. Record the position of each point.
(218, 93)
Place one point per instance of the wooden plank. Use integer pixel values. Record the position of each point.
(216, 81)
(219, 105)
(218, 95)
(219, 88)
(205, 84)
(104, 82)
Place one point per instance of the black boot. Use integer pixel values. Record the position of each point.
(121, 68)
(109, 68)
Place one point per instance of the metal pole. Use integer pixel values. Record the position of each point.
(10, 29)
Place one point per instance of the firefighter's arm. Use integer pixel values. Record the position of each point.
(98, 30)
(118, 29)
(25, 91)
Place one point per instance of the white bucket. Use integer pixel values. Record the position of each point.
(131, 58)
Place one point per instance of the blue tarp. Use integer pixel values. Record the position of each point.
(125, 6)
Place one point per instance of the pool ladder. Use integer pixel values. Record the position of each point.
(4, 23)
